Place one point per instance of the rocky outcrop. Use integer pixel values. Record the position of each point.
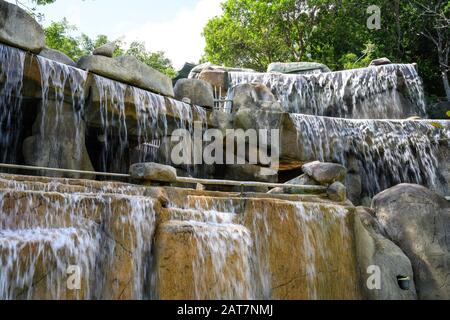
(337, 192)
(377, 253)
(199, 92)
(106, 50)
(254, 96)
(298, 67)
(57, 56)
(418, 220)
(153, 172)
(380, 62)
(325, 173)
(19, 29)
(129, 70)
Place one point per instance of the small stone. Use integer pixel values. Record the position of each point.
(337, 192)
(106, 50)
(153, 172)
(380, 62)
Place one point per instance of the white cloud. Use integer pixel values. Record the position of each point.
(180, 38)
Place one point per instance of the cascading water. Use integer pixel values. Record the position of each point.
(106, 238)
(11, 79)
(388, 152)
(386, 92)
(59, 130)
(240, 247)
(156, 118)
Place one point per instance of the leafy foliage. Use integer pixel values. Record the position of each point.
(59, 36)
(253, 33)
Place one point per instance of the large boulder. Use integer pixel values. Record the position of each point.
(19, 29)
(298, 67)
(373, 249)
(325, 173)
(199, 92)
(337, 192)
(57, 56)
(418, 220)
(153, 172)
(129, 70)
(253, 96)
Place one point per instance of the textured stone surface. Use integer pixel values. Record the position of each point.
(19, 29)
(337, 192)
(153, 171)
(198, 91)
(56, 55)
(374, 249)
(106, 50)
(418, 220)
(129, 70)
(380, 62)
(325, 173)
(298, 67)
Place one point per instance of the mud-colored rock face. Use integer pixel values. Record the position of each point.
(238, 248)
(418, 220)
(208, 245)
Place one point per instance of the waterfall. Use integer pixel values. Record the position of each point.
(58, 139)
(113, 118)
(240, 246)
(11, 79)
(108, 238)
(388, 152)
(156, 117)
(391, 91)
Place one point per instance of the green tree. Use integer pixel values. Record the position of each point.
(59, 36)
(253, 33)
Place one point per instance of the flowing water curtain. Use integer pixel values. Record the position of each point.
(11, 80)
(392, 91)
(61, 114)
(151, 114)
(388, 152)
(114, 125)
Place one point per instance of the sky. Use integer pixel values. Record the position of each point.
(172, 26)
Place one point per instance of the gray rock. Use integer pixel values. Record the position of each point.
(19, 29)
(298, 67)
(252, 96)
(324, 172)
(57, 56)
(418, 220)
(106, 50)
(354, 187)
(380, 62)
(153, 172)
(129, 70)
(374, 249)
(337, 192)
(58, 141)
(366, 202)
(197, 70)
(198, 91)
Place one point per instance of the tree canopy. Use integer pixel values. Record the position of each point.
(254, 33)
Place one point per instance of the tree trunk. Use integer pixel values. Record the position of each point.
(446, 84)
